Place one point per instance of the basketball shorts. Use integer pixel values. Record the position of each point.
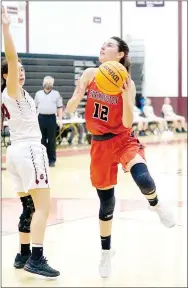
(106, 155)
(28, 166)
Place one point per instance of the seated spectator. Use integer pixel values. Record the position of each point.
(141, 121)
(169, 115)
(79, 126)
(70, 132)
(151, 117)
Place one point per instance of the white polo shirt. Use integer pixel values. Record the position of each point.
(48, 104)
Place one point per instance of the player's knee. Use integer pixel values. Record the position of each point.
(26, 216)
(143, 178)
(107, 204)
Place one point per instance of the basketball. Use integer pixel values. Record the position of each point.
(110, 77)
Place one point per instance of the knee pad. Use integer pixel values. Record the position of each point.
(26, 216)
(143, 178)
(107, 204)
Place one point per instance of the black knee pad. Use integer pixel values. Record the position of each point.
(107, 204)
(143, 178)
(26, 216)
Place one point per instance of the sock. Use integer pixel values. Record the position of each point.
(106, 242)
(25, 249)
(37, 252)
(154, 201)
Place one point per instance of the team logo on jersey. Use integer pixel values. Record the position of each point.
(97, 95)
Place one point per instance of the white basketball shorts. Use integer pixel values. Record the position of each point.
(28, 166)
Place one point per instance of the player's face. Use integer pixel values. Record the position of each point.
(109, 51)
(21, 74)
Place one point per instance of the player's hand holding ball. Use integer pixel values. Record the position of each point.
(126, 89)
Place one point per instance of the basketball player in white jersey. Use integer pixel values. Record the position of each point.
(26, 160)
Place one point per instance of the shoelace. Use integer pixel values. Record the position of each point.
(44, 261)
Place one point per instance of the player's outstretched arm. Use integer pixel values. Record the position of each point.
(12, 81)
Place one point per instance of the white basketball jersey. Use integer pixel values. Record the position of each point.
(22, 118)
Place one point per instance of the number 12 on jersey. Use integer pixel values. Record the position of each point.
(101, 112)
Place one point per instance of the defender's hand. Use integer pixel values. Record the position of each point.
(4, 17)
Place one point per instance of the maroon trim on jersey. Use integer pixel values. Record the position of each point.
(46, 181)
(18, 103)
(27, 100)
(5, 111)
(45, 169)
(33, 161)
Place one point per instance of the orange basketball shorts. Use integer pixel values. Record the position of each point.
(107, 154)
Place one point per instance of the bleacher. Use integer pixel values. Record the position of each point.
(66, 70)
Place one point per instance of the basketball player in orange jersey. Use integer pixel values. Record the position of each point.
(26, 161)
(110, 123)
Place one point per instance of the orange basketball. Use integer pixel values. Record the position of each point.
(110, 77)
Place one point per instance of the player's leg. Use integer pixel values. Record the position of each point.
(24, 229)
(37, 264)
(104, 176)
(33, 170)
(133, 160)
(27, 210)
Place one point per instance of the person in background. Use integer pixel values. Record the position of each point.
(141, 121)
(79, 126)
(70, 132)
(49, 103)
(169, 115)
(140, 101)
(151, 117)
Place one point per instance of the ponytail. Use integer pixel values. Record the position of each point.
(126, 63)
(123, 47)
(4, 70)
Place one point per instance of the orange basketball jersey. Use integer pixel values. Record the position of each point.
(103, 112)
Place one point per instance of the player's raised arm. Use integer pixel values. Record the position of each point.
(12, 80)
(80, 90)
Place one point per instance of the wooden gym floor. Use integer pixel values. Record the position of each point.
(147, 254)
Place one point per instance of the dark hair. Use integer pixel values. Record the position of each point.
(123, 47)
(4, 70)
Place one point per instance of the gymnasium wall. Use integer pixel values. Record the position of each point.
(184, 48)
(68, 28)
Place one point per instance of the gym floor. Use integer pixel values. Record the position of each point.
(147, 254)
